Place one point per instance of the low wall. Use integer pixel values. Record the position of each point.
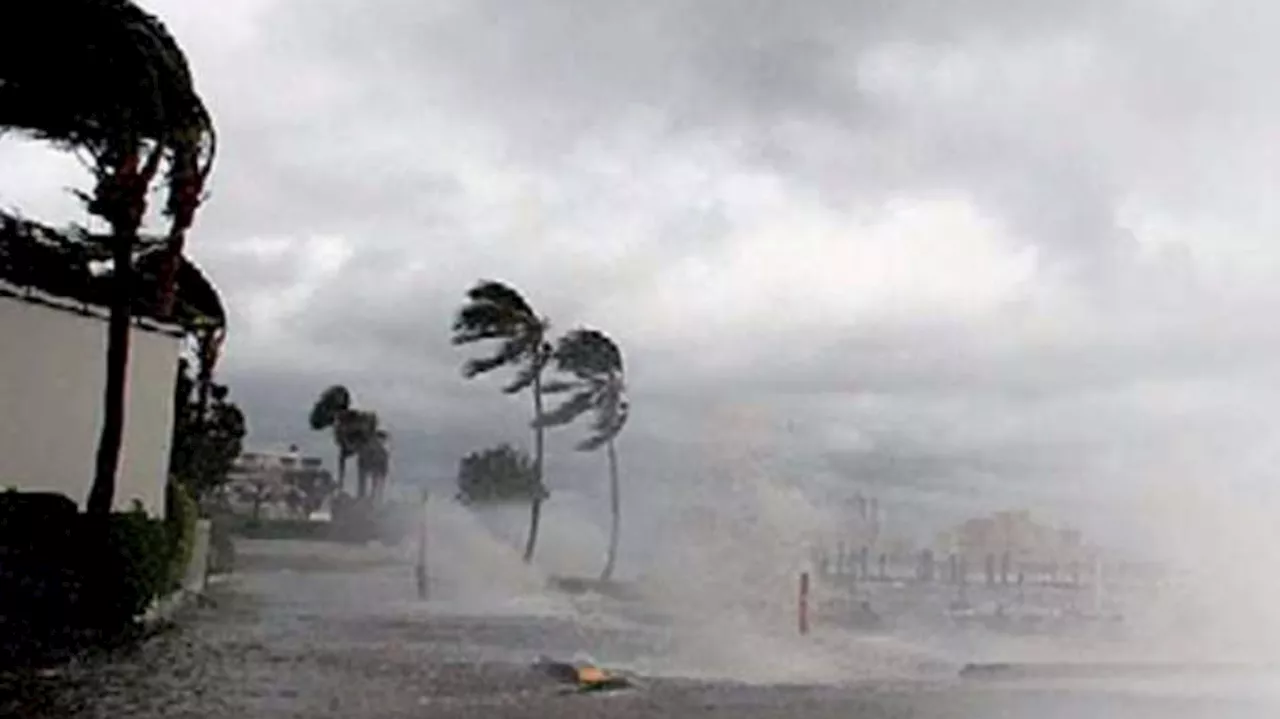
(53, 372)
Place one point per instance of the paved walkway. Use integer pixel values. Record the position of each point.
(316, 631)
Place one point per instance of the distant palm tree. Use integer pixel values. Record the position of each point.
(352, 428)
(495, 311)
(594, 363)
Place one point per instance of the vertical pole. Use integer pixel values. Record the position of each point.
(421, 569)
(804, 603)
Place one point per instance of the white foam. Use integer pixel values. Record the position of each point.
(471, 571)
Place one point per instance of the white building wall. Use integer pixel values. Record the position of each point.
(52, 371)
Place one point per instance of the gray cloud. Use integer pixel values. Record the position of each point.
(1029, 242)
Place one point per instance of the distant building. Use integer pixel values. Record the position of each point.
(260, 480)
(1015, 532)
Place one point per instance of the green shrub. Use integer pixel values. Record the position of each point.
(126, 561)
(39, 576)
(29, 519)
(181, 514)
(65, 576)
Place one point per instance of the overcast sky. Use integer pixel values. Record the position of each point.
(964, 254)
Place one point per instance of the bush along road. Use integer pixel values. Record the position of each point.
(72, 583)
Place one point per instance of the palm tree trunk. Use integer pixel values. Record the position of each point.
(615, 510)
(535, 505)
(102, 493)
(342, 455)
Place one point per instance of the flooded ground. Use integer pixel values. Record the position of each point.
(318, 630)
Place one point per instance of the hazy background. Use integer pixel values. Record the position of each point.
(960, 255)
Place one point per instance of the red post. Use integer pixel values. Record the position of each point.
(804, 602)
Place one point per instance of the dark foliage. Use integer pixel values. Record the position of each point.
(205, 444)
(495, 311)
(329, 407)
(126, 70)
(68, 578)
(120, 80)
(498, 474)
(128, 561)
(61, 262)
(355, 433)
(592, 366)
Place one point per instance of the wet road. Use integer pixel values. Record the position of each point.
(310, 630)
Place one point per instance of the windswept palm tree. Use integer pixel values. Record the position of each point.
(354, 434)
(593, 363)
(333, 411)
(495, 311)
(121, 94)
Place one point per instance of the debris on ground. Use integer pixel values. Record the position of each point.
(583, 675)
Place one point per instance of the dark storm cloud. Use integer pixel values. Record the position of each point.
(1050, 118)
(635, 166)
(793, 86)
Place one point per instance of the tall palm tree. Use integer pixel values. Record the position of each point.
(333, 411)
(354, 431)
(495, 311)
(594, 364)
(121, 93)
